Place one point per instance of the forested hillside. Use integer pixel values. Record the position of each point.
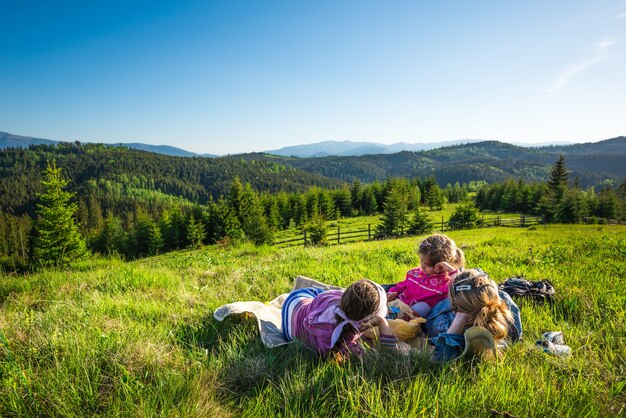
(114, 174)
(490, 161)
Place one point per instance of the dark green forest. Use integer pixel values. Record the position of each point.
(489, 161)
(136, 204)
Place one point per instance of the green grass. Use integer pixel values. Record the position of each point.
(362, 223)
(109, 338)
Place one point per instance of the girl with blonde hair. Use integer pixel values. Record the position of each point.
(475, 302)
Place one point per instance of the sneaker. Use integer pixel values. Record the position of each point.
(554, 349)
(555, 337)
(479, 342)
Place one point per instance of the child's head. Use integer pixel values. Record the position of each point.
(437, 248)
(474, 293)
(362, 299)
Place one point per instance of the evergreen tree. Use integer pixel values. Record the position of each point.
(148, 238)
(370, 205)
(395, 213)
(270, 206)
(57, 240)
(327, 205)
(465, 216)
(607, 204)
(194, 230)
(343, 201)
(433, 196)
(173, 229)
(256, 228)
(111, 239)
(356, 193)
(572, 207)
(420, 223)
(226, 223)
(317, 230)
(557, 183)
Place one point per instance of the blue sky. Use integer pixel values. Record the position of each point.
(238, 76)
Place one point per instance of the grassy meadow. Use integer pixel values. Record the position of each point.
(113, 338)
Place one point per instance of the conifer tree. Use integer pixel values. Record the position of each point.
(195, 232)
(356, 192)
(395, 213)
(57, 239)
(557, 183)
(433, 196)
(420, 223)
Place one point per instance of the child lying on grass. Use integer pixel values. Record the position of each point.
(474, 301)
(334, 320)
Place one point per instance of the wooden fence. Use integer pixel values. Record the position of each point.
(338, 236)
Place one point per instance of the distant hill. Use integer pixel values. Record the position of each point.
(356, 148)
(121, 176)
(8, 140)
(491, 161)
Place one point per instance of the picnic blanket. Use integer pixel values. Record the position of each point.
(268, 314)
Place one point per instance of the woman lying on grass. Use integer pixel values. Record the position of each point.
(334, 320)
(473, 301)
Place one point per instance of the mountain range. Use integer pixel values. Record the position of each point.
(8, 140)
(355, 148)
(318, 149)
(125, 174)
(491, 161)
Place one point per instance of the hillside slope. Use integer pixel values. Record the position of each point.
(491, 161)
(109, 338)
(96, 166)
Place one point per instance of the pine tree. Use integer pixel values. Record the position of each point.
(421, 223)
(356, 192)
(195, 232)
(465, 216)
(57, 240)
(395, 213)
(557, 183)
(433, 196)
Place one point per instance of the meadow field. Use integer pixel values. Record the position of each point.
(113, 338)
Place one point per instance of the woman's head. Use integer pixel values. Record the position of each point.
(474, 293)
(437, 248)
(362, 299)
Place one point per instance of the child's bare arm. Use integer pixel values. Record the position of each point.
(443, 267)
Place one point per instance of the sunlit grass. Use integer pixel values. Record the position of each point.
(109, 338)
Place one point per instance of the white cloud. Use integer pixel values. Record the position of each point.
(621, 16)
(566, 77)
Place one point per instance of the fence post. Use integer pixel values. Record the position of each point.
(304, 242)
(369, 232)
(442, 227)
(522, 220)
(338, 233)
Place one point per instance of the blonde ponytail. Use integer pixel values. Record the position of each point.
(496, 317)
(475, 294)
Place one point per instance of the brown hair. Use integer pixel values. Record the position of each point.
(475, 294)
(359, 300)
(439, 247)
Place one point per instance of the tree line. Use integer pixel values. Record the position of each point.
(151, 222)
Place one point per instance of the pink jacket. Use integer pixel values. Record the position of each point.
(421, 287)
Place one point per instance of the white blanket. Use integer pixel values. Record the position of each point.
(268, 314)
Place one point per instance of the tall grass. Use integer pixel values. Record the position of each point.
(107, 337)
